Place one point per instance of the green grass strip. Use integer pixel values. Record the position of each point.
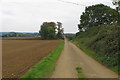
(45, 67)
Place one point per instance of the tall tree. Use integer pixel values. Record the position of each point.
(47, 30)
(60, 30)
(97, 15)
(117, 4)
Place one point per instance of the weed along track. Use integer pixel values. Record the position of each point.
(20, 55)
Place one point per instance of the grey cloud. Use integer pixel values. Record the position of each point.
(29, 15)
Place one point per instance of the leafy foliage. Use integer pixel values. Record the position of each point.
(99, 36)
(70, 37)
(117, 3)
(18, 34)
(48, 30)
(60, 30)
(97, 15)
(104, 42)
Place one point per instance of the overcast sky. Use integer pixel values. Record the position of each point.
(28, 15)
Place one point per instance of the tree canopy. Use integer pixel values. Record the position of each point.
(48, 30)
(117, 3)
(60, 30)
(97, 15)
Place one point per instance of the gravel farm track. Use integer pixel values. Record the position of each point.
(73, 57)
(18, 56)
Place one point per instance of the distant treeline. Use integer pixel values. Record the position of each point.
(17, 34)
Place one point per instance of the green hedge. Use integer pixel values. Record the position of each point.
(102, 43)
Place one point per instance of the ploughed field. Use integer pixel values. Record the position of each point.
(20, 55)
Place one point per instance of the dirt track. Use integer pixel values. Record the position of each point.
(73, 57)
(19, 55)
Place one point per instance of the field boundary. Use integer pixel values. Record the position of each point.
(45, 67)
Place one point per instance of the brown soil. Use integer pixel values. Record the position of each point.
(18, 56)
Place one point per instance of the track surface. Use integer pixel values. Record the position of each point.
(19, 56)
(73, 57)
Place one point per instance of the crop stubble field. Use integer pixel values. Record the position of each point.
(18, 56)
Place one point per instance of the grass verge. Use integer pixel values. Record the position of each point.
(45, 67)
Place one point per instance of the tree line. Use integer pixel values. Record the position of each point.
(97, 15)
(18, 34)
